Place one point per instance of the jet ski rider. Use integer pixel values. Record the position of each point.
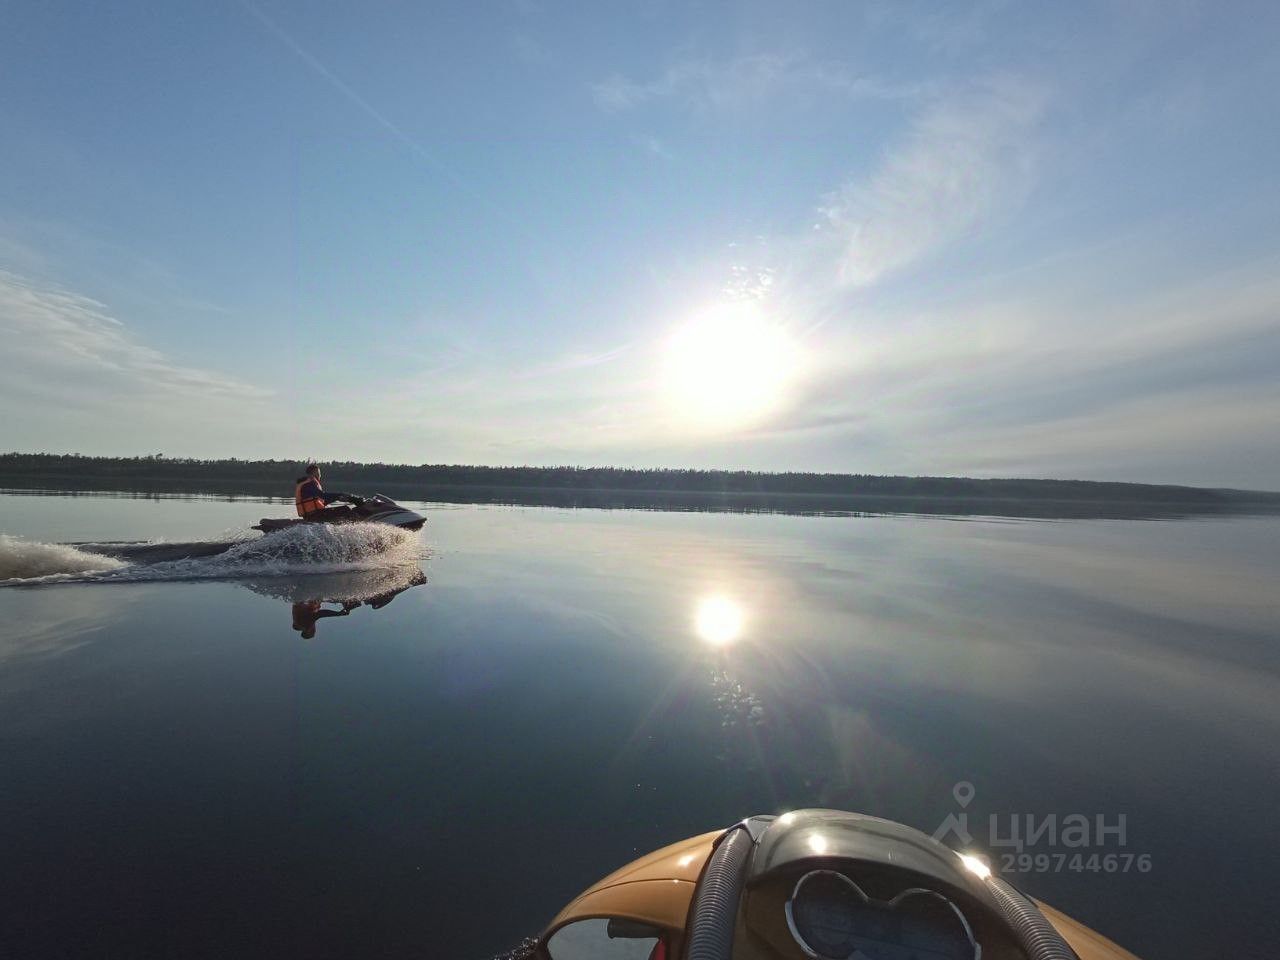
(312, 501)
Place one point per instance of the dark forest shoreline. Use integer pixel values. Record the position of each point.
(681, 490)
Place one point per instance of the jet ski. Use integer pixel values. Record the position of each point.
(375, 509)
(812, 883)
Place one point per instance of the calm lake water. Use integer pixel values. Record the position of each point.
(446, 761)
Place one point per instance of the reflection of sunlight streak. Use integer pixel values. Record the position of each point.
(718, 621)
(663, 700)
(975, 866)
(763, 765)
(736, 703)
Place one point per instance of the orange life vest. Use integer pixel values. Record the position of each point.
(308, 504)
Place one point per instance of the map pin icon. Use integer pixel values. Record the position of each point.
(964, 793)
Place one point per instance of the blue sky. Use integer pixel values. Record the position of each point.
(983, 239)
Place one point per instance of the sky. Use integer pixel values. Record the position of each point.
(980, 239)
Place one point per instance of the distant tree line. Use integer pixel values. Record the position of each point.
(154, 470)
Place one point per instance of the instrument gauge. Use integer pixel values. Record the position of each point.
(831, 918)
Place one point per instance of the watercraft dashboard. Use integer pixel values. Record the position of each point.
(866, 912)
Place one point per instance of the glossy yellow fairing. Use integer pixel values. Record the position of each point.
(658, 888)
(1088, 943)
(655, 889)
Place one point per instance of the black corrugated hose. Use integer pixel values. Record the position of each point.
(1036, 935)
(715, 908)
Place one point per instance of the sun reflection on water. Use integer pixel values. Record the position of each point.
(718, 620)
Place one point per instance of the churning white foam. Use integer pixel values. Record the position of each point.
(31, 560)
(312, 548)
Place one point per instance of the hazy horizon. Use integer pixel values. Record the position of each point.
(897, 239)
(587, 467)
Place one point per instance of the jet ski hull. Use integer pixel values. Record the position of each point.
(378, 509)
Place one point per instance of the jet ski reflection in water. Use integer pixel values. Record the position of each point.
(811, 883)
(312, 504)
(345, 592)
(307, 612)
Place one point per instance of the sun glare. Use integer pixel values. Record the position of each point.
(718, 621)
(728, 366)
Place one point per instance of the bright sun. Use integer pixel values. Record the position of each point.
(728, 366)
(718, 620)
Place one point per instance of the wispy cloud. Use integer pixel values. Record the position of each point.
(654, 147)
(1143, 389)
(573, 362)
(999, 376)
(964, 159)
(60, 343)
(1208, 436)
(942, 29)
(724, 84)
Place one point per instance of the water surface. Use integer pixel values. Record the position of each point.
(424, 747)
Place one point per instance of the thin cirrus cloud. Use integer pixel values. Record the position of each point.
(964, 159)
(1143, 390)
(725, 84)
(1000, 379)
(62, 344)
(1204, 436)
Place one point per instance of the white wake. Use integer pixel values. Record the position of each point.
(27, 560)
(313, 548)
